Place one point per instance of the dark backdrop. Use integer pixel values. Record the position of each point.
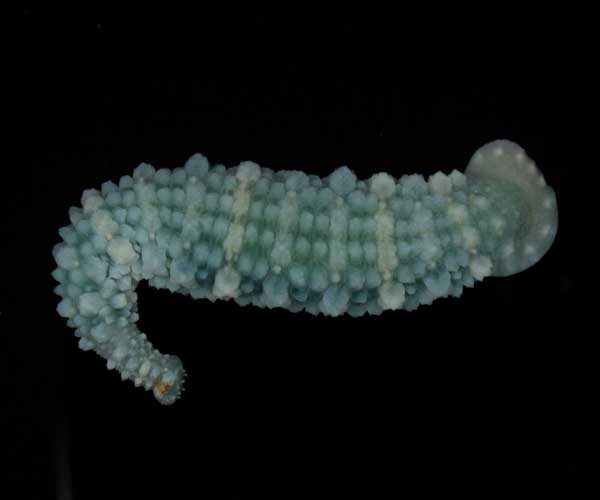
(465, 389)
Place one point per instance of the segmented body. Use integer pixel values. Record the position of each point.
(275, 239)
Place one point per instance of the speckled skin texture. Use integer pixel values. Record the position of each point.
(329, 246)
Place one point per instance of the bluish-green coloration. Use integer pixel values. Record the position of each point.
(286, 239)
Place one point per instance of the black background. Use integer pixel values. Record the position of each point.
(468, 390)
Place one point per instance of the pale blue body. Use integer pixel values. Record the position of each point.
(285, 239)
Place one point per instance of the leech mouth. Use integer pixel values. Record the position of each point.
(163, 387)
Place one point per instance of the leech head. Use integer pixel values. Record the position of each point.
(169, 385)
(505, 166)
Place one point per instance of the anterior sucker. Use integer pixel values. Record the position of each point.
(287, 239)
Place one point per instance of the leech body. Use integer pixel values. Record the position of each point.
(286, 239)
